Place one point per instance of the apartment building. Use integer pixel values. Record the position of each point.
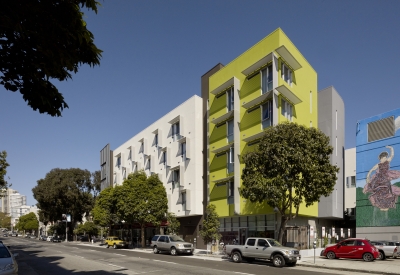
(268, 84)
(11, 201)
(170, 148)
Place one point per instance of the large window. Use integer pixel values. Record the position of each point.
(351, 182)
(183, 194)
(287, 74)
(286, 109)
(230, 130)
(266, 79)
(230, 99)
(164, 158)
(175, 178)
(119, 161)
(231, 192)
(156, 140)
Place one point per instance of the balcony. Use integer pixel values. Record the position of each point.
(258, 100)
(286, 92)
(225, 117)
(288, 57)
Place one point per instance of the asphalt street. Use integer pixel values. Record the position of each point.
(45, 258)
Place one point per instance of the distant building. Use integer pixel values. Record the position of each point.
(11, 202)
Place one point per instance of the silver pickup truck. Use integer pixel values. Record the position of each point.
(263, 248)
(386, 249)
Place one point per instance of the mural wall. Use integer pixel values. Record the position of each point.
(378, 170)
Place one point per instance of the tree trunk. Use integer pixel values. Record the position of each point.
(142, 234)
(284, 220)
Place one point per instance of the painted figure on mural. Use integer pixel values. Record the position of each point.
(383, 194)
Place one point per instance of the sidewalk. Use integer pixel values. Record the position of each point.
(388, 266)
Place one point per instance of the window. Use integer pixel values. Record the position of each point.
(266, 79)
(230, 130)
(351, 182)
(380, 129)
(119, 161)
(266, 114)
(251, 242)
(261, 242)
(183, 150)
(156, 140)
(231, 189)
(231, 160)
(141, 150)
(149, 164)
(164, 158)
(287, 74)
(175, 178)
(162, 239)
(286, 109)
(183, 201)
(175, 130)
(230, 99)
(130, 154)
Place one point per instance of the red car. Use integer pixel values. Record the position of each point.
(353, 248)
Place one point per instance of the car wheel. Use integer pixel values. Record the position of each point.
(381, 256)
(368, 257)
(115, 246)
(331, 255)
(155, 250)
(173, 251)
(292, 264)
(278, 260)
(236, 257)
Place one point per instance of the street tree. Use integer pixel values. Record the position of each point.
(96, 182)
(104, 212)
(173, 223)
(289, 168)
(89, 228)
(210, 228)
(28, 222)
(44, 40)
(5, 221)
(141, 199)
(3, 171)
(65, 191)
(44, 218)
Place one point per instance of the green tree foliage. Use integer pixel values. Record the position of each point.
(290, 167)
(141, 199)
(3, 171)
(210, 227)
(88, 228)
(65, 191)
(42, 40)
(104, 212)
(5, 221)
(96, 182)
(173, 223)
(28, 222)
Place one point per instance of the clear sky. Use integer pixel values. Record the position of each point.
(155, 53)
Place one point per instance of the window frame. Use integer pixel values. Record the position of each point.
(287, 77)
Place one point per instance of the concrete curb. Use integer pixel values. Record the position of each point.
(345, 269)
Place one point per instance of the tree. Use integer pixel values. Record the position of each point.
(3, 171)
(5, 220)
(96, 182)
(104, 211)
(290, 167)
(141, 199)
(210, 227)
(65, 191)
(87, 228)
(173, 223)
(42, 40)
(28, 222)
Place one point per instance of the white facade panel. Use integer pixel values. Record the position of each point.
(349, 172)
(180, 128)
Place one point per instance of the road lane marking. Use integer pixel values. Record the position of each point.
(79, 256)
(164, 262)
(118, 254)
(243, 273)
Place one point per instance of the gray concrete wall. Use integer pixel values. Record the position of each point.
(331, 122)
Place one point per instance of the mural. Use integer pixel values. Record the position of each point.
(378, 170)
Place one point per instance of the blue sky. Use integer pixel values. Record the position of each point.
(156, 51)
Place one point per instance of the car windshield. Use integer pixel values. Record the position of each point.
(273, 242)
(176, 239)
(4, 252)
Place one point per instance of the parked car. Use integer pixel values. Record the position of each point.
(386, 249)
(56, 239)
(82, 238)
(49, 238)
(8, 264)
(263, 248)
(172, 244)
(14, 234)
(42, 237)
(115, 242)
(354, 248)
(5, 235)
